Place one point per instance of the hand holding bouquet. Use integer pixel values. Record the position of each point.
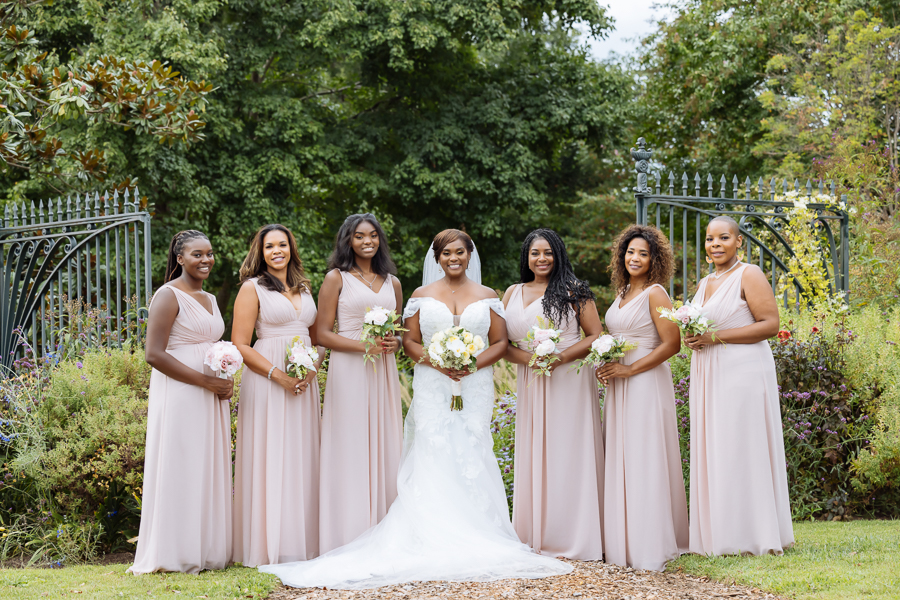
(378, 322)
(224, 358)
(301, 359)
(606, 349)
(689, 318)
(455, 348)
(543, 339)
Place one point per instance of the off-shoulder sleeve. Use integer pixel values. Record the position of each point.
(412, 307)
(496, 305)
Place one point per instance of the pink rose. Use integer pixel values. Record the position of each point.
(685, 320)
(542, 335)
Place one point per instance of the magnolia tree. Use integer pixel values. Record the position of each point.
(41, 97)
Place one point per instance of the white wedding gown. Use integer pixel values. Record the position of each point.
(450, 520)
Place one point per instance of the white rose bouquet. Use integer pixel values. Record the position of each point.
(300, 358)
(606, 349)
(543, 339)
(224, 358)
(689, 318)
(455, 348)
(377, 323)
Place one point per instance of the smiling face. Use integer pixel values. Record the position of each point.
(365, 240)
(454, 258)
(196, 258)
(722, 242)
(540, 258)
(637, 258)
(276, 250)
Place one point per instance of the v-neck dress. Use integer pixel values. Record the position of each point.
(276, 473)
(362, 426)
(558, 477)
(186, 500)
(645, 519)
(739, 490)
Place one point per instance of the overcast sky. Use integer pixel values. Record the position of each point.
(633, 20)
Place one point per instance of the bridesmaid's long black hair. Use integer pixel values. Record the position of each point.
(343, 257)
(564, 289)
(176, 247)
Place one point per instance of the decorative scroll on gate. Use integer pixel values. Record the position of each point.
(683, 213)
(90, 251)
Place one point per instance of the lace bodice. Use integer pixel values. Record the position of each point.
(435, 316)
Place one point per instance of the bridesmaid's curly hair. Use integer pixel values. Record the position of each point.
(564, 289)
(662, 261)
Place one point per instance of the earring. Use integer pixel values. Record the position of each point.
(709, 261)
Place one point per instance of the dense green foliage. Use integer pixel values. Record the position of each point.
(487, 116)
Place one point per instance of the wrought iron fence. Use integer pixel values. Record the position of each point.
(74, 271)
(683, 211)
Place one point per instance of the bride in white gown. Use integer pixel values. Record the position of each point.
(450, 520)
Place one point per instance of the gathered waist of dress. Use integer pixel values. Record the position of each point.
(175, 344)
(286, 330)
(351, 333)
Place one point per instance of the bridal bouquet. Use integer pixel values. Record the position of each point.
(606, 349)
(301, 359)
(689, 318)
(543, 339)
(378, 322)
(455, 348)
(224, 358)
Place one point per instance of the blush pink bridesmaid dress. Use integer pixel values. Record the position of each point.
(362, 426)
(276, 477)
(186, 500)
(558, 481)
(739, 489)
(645, 520)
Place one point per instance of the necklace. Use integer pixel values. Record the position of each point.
(366, 281)
(452, 291)
(718, 275)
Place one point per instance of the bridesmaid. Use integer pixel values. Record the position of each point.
(645, 521)
(276, 479)
(558, 484)
(739, 490)
(362, 427)
(186, 502)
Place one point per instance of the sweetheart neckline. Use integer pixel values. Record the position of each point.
(468, 306)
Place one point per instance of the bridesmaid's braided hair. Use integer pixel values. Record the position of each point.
(255, 263)
(662, 261)
(176, 247)
(564, 290)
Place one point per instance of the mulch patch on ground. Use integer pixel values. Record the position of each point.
(588, 580)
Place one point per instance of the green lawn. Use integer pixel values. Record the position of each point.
(830, 561)
(113, 582)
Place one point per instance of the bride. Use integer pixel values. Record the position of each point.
(450, 520)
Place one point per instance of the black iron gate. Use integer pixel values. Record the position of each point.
(64, 258)
(683, 208)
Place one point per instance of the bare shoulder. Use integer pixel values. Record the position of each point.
(509, 292)
(753, 274)
(396, 283)
(333, 278)
(485, 293)
(659, 296)
(248, 287)
(425, 291)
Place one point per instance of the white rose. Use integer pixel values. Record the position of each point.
(437, 337)
(544, 348)
(467, 338)
(479, 343)
(703, 321)
(603, 344)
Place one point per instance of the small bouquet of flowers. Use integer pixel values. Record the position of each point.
(378, 322)
(455, 348)
(543, 339)
(224, 358)
(606, 349)
(300, 358)
(689, 318)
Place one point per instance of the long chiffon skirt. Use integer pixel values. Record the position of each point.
(362, 439)
(186, 504)
(645, 521)
(276, 480)
(558, 484)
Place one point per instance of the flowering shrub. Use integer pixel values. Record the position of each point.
(503, 428)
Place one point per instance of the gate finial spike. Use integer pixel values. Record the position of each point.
(105, 202)
(96, 202)
(136, 198)
(59, 211)
(115, 202)
(760, 185)
(6, 215)
(808, 188)
(41, 210)
(821, 186)
(796, 185)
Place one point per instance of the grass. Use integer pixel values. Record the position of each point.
(112, 582)
(830, 561)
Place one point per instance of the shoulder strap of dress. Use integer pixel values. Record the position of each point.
(660, 286)
(496, 305)
(412, 307)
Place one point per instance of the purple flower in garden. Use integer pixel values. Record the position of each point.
(79, 364)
